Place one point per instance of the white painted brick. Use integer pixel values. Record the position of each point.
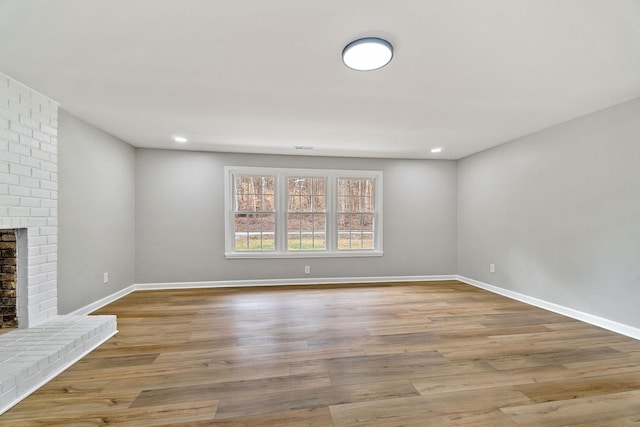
(54, 195)
(36, 222)
(31, 162)
(49, 130)
(48, 185)
(39, 212)
(9, 201)
(9, 136)
(16, 106)
(4, 80)
(42, 119)
(9, 397)
(30, 202)
(48, 147)
(5, 178)
(49, 166)
(4, 189)
(52, 113)
(45, 231)
(9, 157)
(4, 123)
(33, 103)
(8, 114)
(20, 128)
(29, 182)
(54, 176)
(37, 279)
(4, 168)
(17, 169)
(37, 241)
(52, 239)
(18, 211)
(4, 211)
(37, 260)
(16, 190)
(11, 94)
(33, 270)
(42, 194)
(8, 383)
(30, 142)
(40, 174)
(48, 266)
(19, 88)
(39, 154)
(27, 121)
(20, 149)
(47, 203)
(42, 137)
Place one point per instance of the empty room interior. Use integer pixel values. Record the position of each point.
(294, 213)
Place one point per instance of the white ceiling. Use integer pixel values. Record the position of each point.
(264, 76)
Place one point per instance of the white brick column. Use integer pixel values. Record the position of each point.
(29, 191)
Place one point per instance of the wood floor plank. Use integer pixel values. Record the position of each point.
(313, 417)
(423, 409)
(564, 389)
(387, 354)
(593, 409)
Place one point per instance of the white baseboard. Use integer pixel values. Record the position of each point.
(611, 325)
(290, 282)
(90, 308)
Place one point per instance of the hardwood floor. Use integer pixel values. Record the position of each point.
(419, 354)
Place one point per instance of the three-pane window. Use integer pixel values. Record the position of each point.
(291, 213)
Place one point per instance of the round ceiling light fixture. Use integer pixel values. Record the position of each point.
(367, 54)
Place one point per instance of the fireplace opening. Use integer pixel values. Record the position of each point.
(8, 280)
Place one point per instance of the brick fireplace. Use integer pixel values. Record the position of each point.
(44, 343)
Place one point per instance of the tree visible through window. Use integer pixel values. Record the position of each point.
(255, 218)
(306, 213)
(355, 213)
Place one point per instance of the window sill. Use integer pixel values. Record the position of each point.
(302, 254)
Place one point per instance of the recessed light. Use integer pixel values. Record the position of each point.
(367, 54)
(436, 150)
(180, 139)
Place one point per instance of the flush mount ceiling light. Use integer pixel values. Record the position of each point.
(367, 54)
(436, 150)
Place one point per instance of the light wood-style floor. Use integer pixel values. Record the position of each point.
(420, 354)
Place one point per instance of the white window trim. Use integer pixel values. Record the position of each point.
(281, 212)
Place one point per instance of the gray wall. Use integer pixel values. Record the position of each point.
(180, 219)
(558, 212)
(96, 213)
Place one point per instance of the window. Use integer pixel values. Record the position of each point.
(306, 213)
(254, 213)
(282, 213)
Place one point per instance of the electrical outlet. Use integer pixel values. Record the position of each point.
(492, 268)
(307, 269)
(106, 278)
